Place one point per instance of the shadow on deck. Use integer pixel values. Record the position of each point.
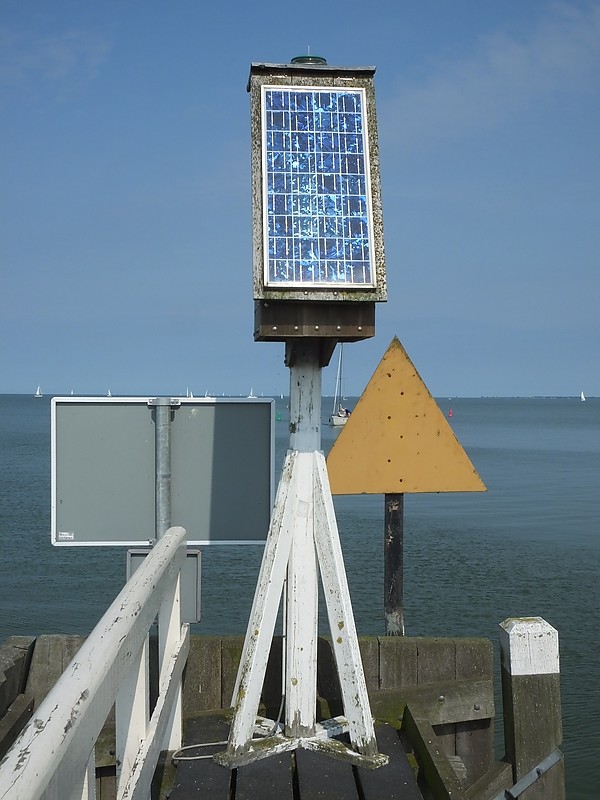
(297, 775)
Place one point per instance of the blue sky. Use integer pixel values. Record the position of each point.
(125, 247)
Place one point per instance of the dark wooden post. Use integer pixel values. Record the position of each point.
(531, 701)
(393, 551)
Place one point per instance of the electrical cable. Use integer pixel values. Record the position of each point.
(177, 757)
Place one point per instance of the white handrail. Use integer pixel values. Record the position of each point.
(54, 752)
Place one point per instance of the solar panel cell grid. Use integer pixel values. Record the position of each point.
(318, 226)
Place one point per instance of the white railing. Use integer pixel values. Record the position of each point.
(53, 758)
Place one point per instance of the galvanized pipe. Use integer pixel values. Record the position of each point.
(162, 464)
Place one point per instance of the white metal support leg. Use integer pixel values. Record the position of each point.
(263, 616)
(303, 535)
(341, 619)
(302, 612)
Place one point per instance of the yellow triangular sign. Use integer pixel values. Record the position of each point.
(397, 440)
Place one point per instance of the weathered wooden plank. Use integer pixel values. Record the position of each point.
(474, 658)
(369, 654)
(475, 747)
(533, 729)
(15, 657)
(273, 686)
(106, 783)
(436, 659)
(231, 653)
(439, 703)
(105, 748)
(202, 676)
(397, 662)
(12, 723)
(439, 775)
(396, 780)
(269, 779)
(319, 776)
(474, 740)
(328, 684)
(492, 783)
(51, 656)
(202, 777)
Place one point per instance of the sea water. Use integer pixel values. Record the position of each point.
(529, 546)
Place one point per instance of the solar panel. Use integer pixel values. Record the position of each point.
(317, 215)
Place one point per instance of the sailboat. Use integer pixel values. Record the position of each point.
(38, 392)
(582, 397)
(339, 414)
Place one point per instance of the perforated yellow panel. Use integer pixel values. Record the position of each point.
(397, 439)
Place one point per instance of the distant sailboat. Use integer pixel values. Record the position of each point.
(38, 392)
(339, 415)
(582, 397)
(109, 393)
(251, 395)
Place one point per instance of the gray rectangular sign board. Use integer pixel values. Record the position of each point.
(103, 470)
(190, 580)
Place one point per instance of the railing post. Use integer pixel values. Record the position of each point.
(169, 634)
(531, 701)
(132, 712)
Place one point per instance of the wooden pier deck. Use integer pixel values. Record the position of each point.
(297, 775)
(437, 692)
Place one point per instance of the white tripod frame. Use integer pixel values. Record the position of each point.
(303, 534)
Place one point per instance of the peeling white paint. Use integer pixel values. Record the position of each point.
(60, 740)
(529, 646)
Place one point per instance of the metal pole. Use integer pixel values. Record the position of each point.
(169, 614)
(393, 581)
(162, 464)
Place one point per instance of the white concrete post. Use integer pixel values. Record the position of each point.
(531, 700)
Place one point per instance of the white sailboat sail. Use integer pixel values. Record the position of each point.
(339, 414)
